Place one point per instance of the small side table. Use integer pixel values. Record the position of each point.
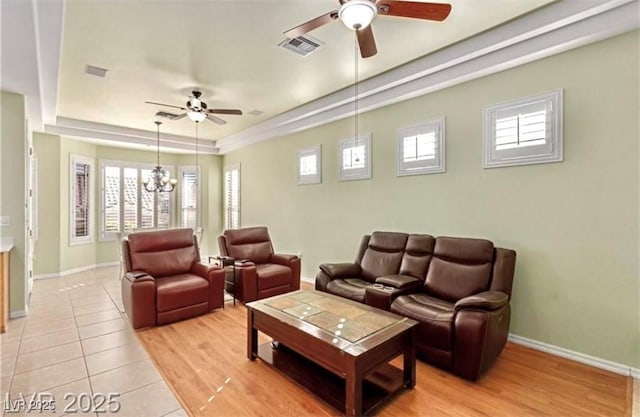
(229, 265)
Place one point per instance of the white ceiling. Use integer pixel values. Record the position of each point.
(161, 50)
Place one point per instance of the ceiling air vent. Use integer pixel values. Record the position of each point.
(302, 45)
(95, 71)
(166, 115)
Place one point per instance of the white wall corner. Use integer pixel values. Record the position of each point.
(18, 314)
(308, 280)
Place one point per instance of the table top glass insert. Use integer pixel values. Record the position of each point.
(343, 319)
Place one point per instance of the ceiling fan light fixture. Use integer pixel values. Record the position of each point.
(357, 14)
(196, 116)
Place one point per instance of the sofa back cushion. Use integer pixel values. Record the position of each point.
(460, 267)
(383, 254)
(251, 243)
(417, 255)
(162, 253)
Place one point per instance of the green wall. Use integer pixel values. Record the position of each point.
(54, 254)
(13, 177)
(574, 224)
(48, 243)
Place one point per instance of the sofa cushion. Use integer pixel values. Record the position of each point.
(272, 275)
(251, 243)
(351, 288)
(162, 253)
(435, 317)
(179, 291)
(417, 255)
(461, 267)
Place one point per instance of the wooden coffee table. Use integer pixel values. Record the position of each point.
(336, 348)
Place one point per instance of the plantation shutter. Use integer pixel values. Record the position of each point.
(189, 200)
(111, 199)
(81, 203)
(232, 198)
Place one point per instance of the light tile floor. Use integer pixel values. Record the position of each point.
(76, 341)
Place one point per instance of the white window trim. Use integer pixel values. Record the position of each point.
(181, 170)
(356, 174)
(418, 168)
(90, 238)
(556, 154)
(311, 178)
(113, 236)
(225, 218)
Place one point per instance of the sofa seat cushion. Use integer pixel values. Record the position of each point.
(435, 317)
(179, 291)
(272, 275)
(351, 288)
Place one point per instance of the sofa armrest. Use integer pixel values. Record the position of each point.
(341, 270)
(282, 259)
(399, 281)
(246, 281)
(138, 276)
(488, 300)
(215, 275)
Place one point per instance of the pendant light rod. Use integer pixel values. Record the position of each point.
(158, 123)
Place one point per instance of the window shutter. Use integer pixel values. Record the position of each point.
(147, 202)
(112, 199)
(189, 200)
(130, 200)
(232, 197)
(421, 148)
(81, 185)
(524, 131)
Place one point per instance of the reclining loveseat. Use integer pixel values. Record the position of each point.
(458, 289)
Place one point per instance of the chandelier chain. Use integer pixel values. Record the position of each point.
(355, 53)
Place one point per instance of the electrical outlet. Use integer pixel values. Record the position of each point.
(4, 220)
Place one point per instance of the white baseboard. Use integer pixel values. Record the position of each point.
(75, 270)
(596, 362)
(17, 314)
(308, 280)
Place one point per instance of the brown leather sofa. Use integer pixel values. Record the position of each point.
(458, 289)
(260, 273)
(164, 280)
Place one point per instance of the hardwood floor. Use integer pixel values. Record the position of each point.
(204, 361)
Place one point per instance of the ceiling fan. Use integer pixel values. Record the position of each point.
(197, 110)
(358, 14)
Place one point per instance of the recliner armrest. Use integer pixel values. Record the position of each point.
(244, 263)
(282, 259)
(138, 276)
(399, 281)
(203, 270)
(488, 300)
(342, 270)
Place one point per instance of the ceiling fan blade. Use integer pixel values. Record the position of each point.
(166, 105)
(180, 116)
(366, 42)
(415, 10)
(226, 111)
(311, 24)
(215, 119)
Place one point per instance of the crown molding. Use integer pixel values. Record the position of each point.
(107, 134)
(556, 28)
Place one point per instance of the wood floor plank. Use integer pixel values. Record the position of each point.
(204, 361)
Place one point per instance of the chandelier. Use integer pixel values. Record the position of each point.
(159, 178)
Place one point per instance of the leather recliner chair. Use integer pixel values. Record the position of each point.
(164, 280)
(463, 307)
(260, 273)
